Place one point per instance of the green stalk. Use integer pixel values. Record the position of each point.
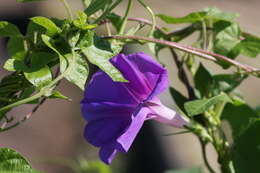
(152, 15)
(27, 100)
(124, 20)
(68, 9)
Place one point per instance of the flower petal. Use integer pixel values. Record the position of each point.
(166, 115)
(102, 88)
(127, 138)
(105, 131)
(143, 73)
(101, 110)
(107, 154)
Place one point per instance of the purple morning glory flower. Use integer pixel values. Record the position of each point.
(116, 111)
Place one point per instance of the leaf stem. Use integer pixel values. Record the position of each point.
(195, 51)
(124, 20)
(68, 9)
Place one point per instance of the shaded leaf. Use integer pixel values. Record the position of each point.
(239, 117)
(200, 106)
(246, 149)
(16, 48)
(116, 20)
(8, 30)
(95, 5)
(203, 80)
(178, 98)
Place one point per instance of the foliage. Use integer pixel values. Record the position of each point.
(54, 49)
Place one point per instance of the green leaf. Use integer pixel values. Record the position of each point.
(216, 14)
(16, 48)
(13, 162)
(190, 18)
(27, 0)
(101, 59)
(48, 42)
(203, 80)
(8, 30)
(250, 45)
(246, 149)
(86, 3)
(96, 5)
(51, 27)
(200, 106)
(58, 95)
(227, 39)
(228, 82)
(78, 69)
(39, 78)
(40, 59)
(94, 166)
(178, 98)
(116, 20)
(206, 14)
(193, 170)
(239, 117)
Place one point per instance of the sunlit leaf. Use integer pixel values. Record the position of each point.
(51, 27)
(200, 106)
(101, 59)
(78, 69)
(40, 78)
(13, 162)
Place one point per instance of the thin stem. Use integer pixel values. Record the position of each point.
(124, 20)
(204, 155)
(152, 15)
(107, 11)
(177, 133)
(29, 99)
(204, 33)
(108, 29)
(182, 74)
(195, 51)
(147, 22)
(68, 9)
